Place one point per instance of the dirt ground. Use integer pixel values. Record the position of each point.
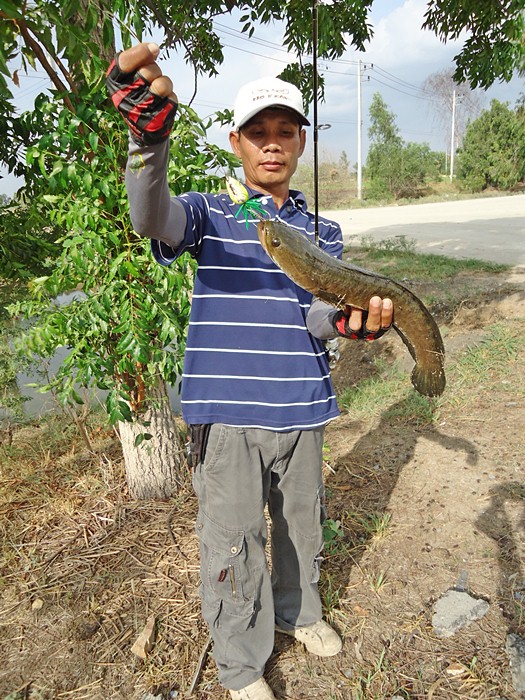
(422, 507)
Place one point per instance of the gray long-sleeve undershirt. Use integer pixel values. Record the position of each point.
(156, 214)
(153, 211)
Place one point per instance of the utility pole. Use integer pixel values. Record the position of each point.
(452, 136)
(359, 135)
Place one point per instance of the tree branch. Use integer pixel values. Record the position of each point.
(38, 52)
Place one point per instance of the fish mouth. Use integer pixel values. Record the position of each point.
(262, 232)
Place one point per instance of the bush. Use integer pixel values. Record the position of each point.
(395, 168)
(400, 170)
(493, 153)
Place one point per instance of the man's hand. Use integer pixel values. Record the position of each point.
(140, 92)
(368, 325)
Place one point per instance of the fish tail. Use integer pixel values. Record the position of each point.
(428, 382)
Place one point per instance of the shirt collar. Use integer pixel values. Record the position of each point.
(295, 197)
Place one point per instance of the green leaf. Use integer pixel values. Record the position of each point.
(57, 168)
(141, 437)
(42, 164)
(10, 9)
(125, 411)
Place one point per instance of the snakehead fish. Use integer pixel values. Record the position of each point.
(340, 283)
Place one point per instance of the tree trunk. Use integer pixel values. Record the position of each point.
(155, 468)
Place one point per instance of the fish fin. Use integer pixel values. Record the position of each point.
(428, 383)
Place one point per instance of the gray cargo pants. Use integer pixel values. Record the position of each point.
(243, 470)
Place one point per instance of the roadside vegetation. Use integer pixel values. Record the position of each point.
(490, 161)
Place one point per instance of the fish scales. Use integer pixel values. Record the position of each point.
(340, 283)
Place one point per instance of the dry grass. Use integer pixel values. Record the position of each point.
(83, 567)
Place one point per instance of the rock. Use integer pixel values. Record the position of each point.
(515, 648)
(456, 669)
(455, 610)
(145, 640)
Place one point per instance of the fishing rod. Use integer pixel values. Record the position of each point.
(315, 119)
(332, 346)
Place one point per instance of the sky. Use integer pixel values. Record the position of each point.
(396, 62)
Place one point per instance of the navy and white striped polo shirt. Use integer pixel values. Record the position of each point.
(250, 360)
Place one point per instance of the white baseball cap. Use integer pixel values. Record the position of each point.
(267, 92)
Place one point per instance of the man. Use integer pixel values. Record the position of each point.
(256, 387)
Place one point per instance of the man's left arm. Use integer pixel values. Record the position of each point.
(325, 322)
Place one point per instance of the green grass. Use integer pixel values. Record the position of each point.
(492, 361)
(377, 580)
(495, 354)
(376, 525)
(331, 594)
(389, 389)
(396, 258)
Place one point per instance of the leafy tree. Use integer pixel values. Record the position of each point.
(442, 86)
(493, 153)
(27, 241)
(495, 46)
(126, 334)
(394, 168)
(383, 129)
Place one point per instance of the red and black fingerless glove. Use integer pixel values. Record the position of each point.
(149, 116)
(341, 320)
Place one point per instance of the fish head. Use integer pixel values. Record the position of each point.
(290, 250)
(280, 240)
(268, 236)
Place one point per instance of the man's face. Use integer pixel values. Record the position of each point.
(269, 146)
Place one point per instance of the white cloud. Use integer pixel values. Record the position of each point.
(400, 43)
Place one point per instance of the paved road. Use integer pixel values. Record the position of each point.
(486, 229)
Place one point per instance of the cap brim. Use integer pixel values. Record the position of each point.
(300, 117)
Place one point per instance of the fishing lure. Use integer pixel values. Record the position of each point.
(239, 195)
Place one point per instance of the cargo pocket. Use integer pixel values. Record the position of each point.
(227, 584)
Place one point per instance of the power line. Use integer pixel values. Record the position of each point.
(395, 79)
(252, 40)
(328, 66)
(254, 53)
(403, 92)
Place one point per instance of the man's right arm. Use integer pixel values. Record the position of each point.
(145, 99)
(153, 212)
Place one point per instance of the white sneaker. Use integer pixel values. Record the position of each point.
(260, 690)
(319, 639)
